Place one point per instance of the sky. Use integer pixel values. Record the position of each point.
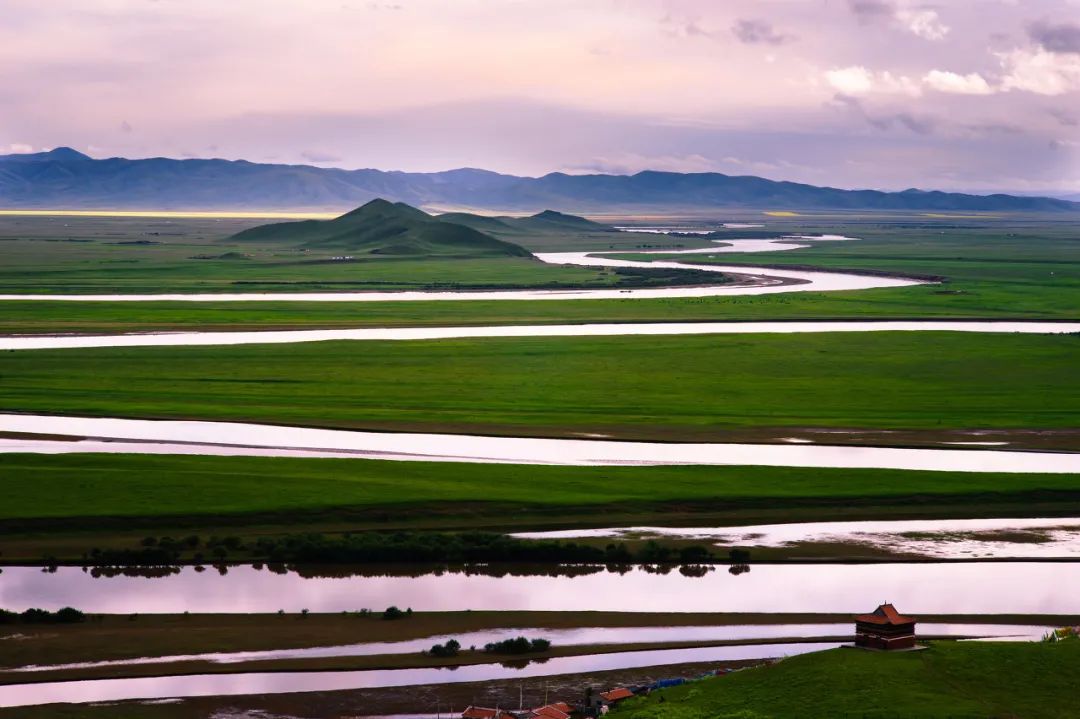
(971, 95)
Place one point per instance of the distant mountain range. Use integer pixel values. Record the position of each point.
(66, 179)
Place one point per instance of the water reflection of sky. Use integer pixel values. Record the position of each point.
(940, 588)
(283, 682)
(939, 538)
(514, 450)
(582, 636)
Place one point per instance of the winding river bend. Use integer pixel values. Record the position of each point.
(755, 281)
(104, 435)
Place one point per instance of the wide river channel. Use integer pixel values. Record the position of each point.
(136, 436)
(987, 588)
(918, 587)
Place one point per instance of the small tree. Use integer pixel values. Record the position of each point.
(450, 649)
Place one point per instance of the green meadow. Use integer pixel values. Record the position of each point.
(676, 388)
(951, 680)
(68, 489)
(1004, 268)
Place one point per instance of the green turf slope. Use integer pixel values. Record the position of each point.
(956, 680)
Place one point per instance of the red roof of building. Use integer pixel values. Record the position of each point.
(885, 614)
(616, 694)
(553, 711)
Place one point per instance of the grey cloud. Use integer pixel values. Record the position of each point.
(684, 26)
(918, 124)
(694, 30)
(868, 11)
(1064, 117)
(758, 32)
(318, 156)
(993, 128)
(1063, 37)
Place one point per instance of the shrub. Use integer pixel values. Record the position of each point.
(739, 556)
(450, 649)
(393, 613)
(68, 615)
(518, 645)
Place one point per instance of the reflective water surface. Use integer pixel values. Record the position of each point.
(406, 446)
(917, 588)
(756, 284)
(283, 682)
(382, 334)
(563, 638)
(939, 538)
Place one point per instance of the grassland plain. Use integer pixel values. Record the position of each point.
(673, 388)
(62, 505)
(1013, 267)
(44, 255)
(958, 680)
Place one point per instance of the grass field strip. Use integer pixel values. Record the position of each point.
(232, 438)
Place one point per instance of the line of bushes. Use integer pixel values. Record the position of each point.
(518, 645)
(463, 547)
(399, 547)
(67, 615)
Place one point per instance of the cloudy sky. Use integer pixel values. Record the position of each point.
(974, 95)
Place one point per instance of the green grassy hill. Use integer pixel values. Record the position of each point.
(384, 228)
(951, 679)
(546, 222)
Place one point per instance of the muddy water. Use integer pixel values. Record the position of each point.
(284, 682)
(938, 538)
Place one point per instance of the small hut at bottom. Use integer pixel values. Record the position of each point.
(884, 628)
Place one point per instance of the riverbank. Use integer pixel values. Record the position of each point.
(594, 387)
(113, 637)
(112, 506)
(386, 701)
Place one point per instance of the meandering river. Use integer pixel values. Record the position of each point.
(756, 281)
(237, 438)
(373, 334)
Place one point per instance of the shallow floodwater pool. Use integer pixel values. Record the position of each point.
(283, 682)
(1053, 537)
(565, 638)
(917, 588)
